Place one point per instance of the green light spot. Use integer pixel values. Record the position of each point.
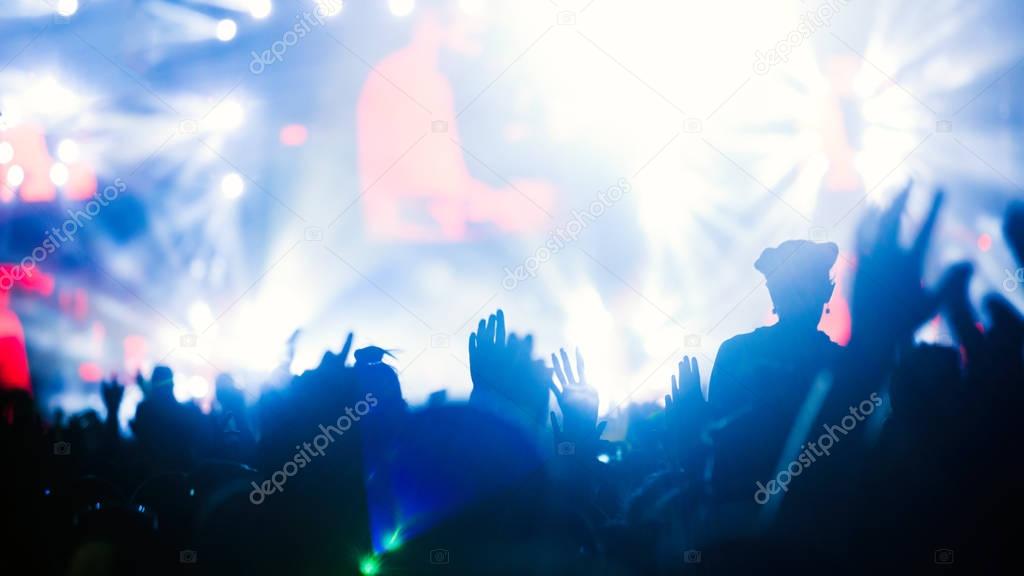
(369, 566)
(394, 541)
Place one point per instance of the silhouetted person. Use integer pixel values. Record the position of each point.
(165, 429)
(760, 379)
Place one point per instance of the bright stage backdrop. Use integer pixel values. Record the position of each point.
(198, 180)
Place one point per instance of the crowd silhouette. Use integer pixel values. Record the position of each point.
(886, 455)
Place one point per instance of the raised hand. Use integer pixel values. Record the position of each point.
(487, 348)
(957, 307)
(140, 381)
(112, 392)
(889, 301)
(340, 360)
(503, 369)
(578, 402)
(686, 414)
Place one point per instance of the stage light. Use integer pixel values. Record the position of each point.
(198, 387)
(330, 7)
(369, 566)
(228, 116)
(226, 30)
(232, 185)
(6, 152)
(67, 151)
(394, 541)
(199, 315)
(260, 9)
(15, 176)
(189, 388)
(472, 7)
(44, 97)
(401, 7)
(59, 174)
(67, 7)
(293, 135)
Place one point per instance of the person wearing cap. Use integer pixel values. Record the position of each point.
(760, 379)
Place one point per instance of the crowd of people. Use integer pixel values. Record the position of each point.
(885, 455)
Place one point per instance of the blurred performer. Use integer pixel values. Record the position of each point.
(414, 176)
(13, 357)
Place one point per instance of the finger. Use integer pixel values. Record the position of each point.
(557, 392)
(326, 359)
(554, 424)
(695, 368)
(500, 335)
(668, 402)
(675, 387)
(925, 235)
(557, 369)
(579, 367)
(600, 427)
(889, 225)
(490, 327)
(472, 346)
(567, 367)
(481, 331)
(345, 349)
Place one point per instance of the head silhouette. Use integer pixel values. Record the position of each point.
(378, 378)
(797, 274)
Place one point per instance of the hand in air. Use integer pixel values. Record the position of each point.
(889, 301)
(578, 402)
(503, 369)
(112, 392)
(686, 414)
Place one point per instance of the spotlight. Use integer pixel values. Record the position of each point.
(59, 174)
(369, 566)
(260, 9)
(6, 152)
(293, 135)
(200, 316)
(67, 151)
(471, 7)
(329, 7)
(401, 7)
(186, 389)
(232, 185)
(226, 117)
(198, 387)
(226, 30)
(15, 176)
(67, 7)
